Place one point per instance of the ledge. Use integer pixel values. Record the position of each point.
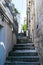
(5, 12)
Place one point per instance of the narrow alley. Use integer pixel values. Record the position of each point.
(23, 53)
(21, 32)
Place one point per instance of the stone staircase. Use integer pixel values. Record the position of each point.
(23, 53)
(24, 40)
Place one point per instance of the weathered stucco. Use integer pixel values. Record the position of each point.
(39, 30)
(7, 40)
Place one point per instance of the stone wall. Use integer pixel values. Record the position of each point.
(38, 37)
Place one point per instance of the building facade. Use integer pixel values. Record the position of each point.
(31, 17)
(28, 13)
(8, 32)
(18, 20)
(36, 24)
(39, 27)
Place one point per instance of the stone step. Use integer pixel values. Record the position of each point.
(23, 58)
(25, 41)
(22, 63)
(25, 44)
(23, 48)
(24, 38)
(23, 53)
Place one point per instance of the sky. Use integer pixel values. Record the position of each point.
(21, 7)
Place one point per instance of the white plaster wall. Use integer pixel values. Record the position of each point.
(6, 42)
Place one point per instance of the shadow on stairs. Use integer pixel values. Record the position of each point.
(23, 53)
